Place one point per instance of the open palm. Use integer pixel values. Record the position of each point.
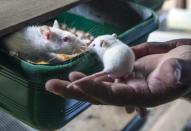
(159, 77)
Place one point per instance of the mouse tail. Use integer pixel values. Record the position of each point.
(93, 76)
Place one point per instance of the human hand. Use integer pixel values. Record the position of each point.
(158, 78)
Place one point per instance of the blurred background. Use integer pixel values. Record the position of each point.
(174, 22)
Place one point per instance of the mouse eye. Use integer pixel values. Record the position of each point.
(65, 39)
(93, 45)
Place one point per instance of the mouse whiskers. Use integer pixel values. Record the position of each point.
(50, 60)
(92, 30)
(72, 24)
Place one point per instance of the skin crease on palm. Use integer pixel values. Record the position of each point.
(162, 73)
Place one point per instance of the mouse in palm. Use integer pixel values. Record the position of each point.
(42, 40)
(117, 58)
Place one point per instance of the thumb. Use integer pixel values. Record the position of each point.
(175, 71)
(166, 74)
(169, 80)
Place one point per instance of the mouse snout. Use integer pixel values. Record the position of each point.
(92, 48)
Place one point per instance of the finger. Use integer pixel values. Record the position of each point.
(164, 82)
(114, 94)
(135, 93)
(129, 109)
(73, 76)
(145, 65)
(184, 74)
(166, 75)
(119, 80)
(158, 47)
(104, 78)
(141, 111)
(58, 87)
(99, 91)
(53, 85)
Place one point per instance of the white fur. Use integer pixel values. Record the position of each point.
(31, 40)
(118, 58)
(33, 37)
(56, 24)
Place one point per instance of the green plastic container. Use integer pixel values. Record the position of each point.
(152, 4)
(22, 91)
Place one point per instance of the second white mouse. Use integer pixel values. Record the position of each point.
(117, 58)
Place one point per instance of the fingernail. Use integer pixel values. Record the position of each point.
(49, 87)
(178, 72)
(52, 85)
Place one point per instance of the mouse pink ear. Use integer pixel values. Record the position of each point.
(46, 32)
(114, 35)
(56, 24)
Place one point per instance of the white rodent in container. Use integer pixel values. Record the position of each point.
(42, 40)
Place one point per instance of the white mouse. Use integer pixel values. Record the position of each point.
(33, 40)
(118, 58)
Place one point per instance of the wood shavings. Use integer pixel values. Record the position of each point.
(65, 57)
(86, 37)
(41, 62)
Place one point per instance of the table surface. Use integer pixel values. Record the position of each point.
(14, 14)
